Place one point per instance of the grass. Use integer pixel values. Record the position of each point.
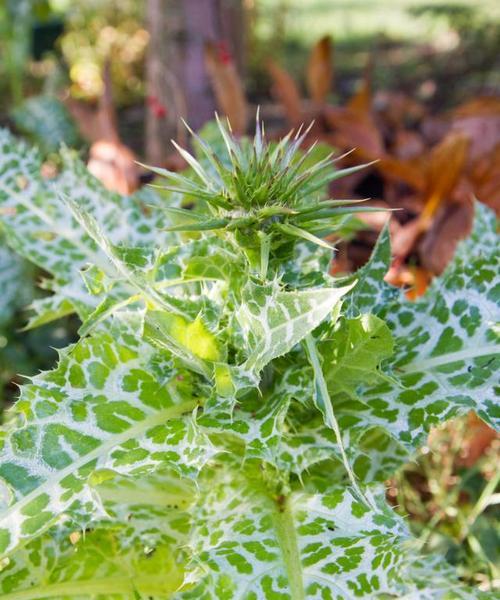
(453, 504)
(306, 20)
(404, 33)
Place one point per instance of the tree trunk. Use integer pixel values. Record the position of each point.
(177, 81)
(164, 102)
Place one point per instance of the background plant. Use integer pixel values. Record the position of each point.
(451, 496)
(224, 424)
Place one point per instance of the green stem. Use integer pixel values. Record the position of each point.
(324, 403)
(265, 247)
(286, 532)
(481, 505)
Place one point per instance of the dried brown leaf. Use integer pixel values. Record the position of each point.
(362, 100)
(437, 246)
(446, 165)
(485, 179)
(114, 165)
(319, 74)
(478, 439)
(410, 172)
(227, 86)
(286, 92)
(355, 130)
(483, 105)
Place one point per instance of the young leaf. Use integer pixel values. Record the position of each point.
(192, 342)
(273, 321)
(101, 564)
(353, 353)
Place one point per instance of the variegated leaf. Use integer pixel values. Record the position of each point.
(99, 564)
(447, 351)
(15, 283)
(39, 225)
(258, 542)
(371, 294)
(106, 406)
(274, 321)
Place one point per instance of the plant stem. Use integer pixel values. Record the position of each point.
(481, 505)
(324, 403)
(286, 532)
(265, 247)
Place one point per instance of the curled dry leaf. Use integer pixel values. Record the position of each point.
(111, 161)
(441, 175)
(354, 125)
(414, 279)
(484, 176)
(445, 167)
(353, 129)
(114, 165)
(408, 144)
(481, 106)
(397, 108)
(227, 86)
(362, 99)
(319, 73)
(286, 92)
(452, 223)
(409, 171)
(478, 439)
(479, 121)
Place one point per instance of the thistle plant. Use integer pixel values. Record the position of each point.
(263, 197)
(224, 425)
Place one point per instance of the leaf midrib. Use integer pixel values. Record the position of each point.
(106, 585)
(449, 358)
(286, 533)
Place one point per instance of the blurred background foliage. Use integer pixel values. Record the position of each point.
(451, 495)
(100, 29)
(445, 50)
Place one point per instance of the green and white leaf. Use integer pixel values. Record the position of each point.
(259, 543)
(446, 349)
(371, 294)
(273, 321)
(101, 564)
(104, 407)
(184, 430)
(15, 283)
(39, 226)
(47, 122)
